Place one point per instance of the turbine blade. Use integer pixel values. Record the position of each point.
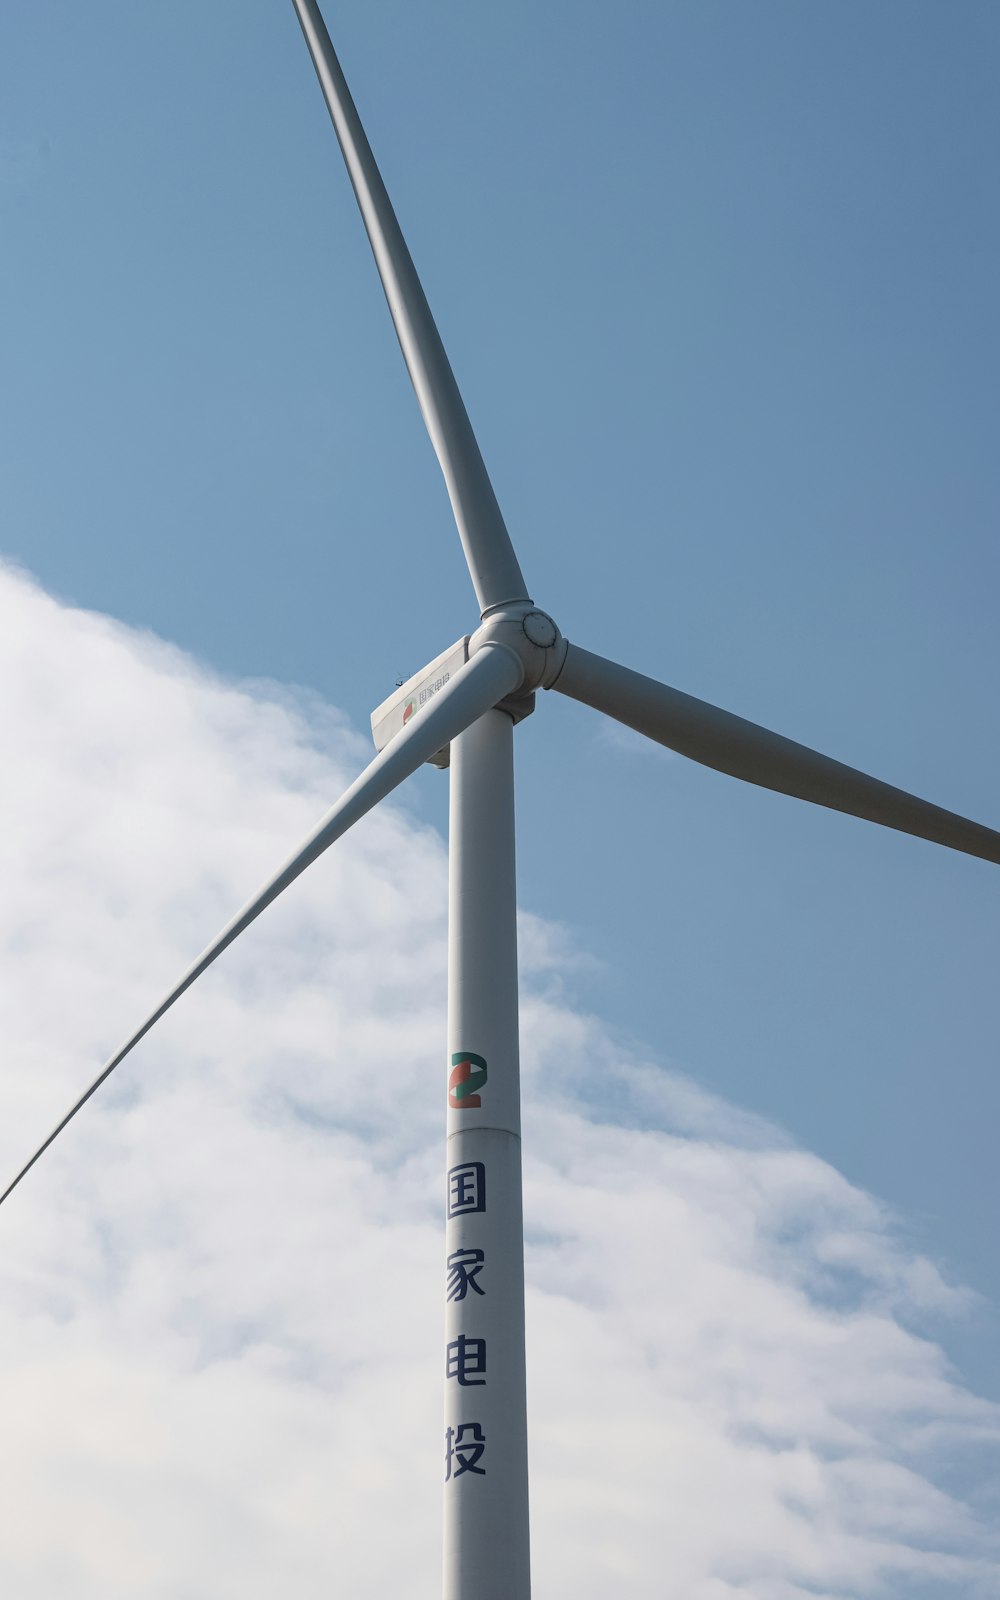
(490, 675)
(493, 566)
(730, 744)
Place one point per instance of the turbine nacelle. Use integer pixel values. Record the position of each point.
(524, 633)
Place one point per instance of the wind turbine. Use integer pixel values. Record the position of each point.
(463, 708)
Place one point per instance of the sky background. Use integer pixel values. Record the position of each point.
(718, 283)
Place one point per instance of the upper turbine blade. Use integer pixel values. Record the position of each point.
(490, 675)
(493, 565)
(730, 744)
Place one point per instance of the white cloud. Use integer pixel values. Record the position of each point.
(208, 1386)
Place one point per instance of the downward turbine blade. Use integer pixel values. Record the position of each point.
(492, 563)
(491, 675)
(730, 744)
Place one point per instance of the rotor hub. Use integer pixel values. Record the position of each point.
(531, 636)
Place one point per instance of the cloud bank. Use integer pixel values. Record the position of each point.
(221, 1293)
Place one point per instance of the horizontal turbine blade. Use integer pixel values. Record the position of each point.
(491, 674)
(492, 563)
(730, 744)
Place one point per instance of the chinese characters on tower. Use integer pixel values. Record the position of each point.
(466, 1188)
(465, 1356)
(464, 1267)
(465, 1359)
(464, 1448)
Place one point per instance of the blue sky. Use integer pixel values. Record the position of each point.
(718, 283)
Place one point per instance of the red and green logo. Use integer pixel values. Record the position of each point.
(407, 714)
(468, 1074)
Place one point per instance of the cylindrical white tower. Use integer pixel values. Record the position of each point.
(486, 1552)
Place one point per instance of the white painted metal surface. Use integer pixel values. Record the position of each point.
(731, 744)
(415, 695)
(493, 566)
(486, 1554)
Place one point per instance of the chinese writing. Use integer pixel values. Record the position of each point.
(466, 1188)
(465, 1358)
(463, 1449)
(432, 688)
(464, 1267)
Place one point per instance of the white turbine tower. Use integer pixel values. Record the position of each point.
(466, 704)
